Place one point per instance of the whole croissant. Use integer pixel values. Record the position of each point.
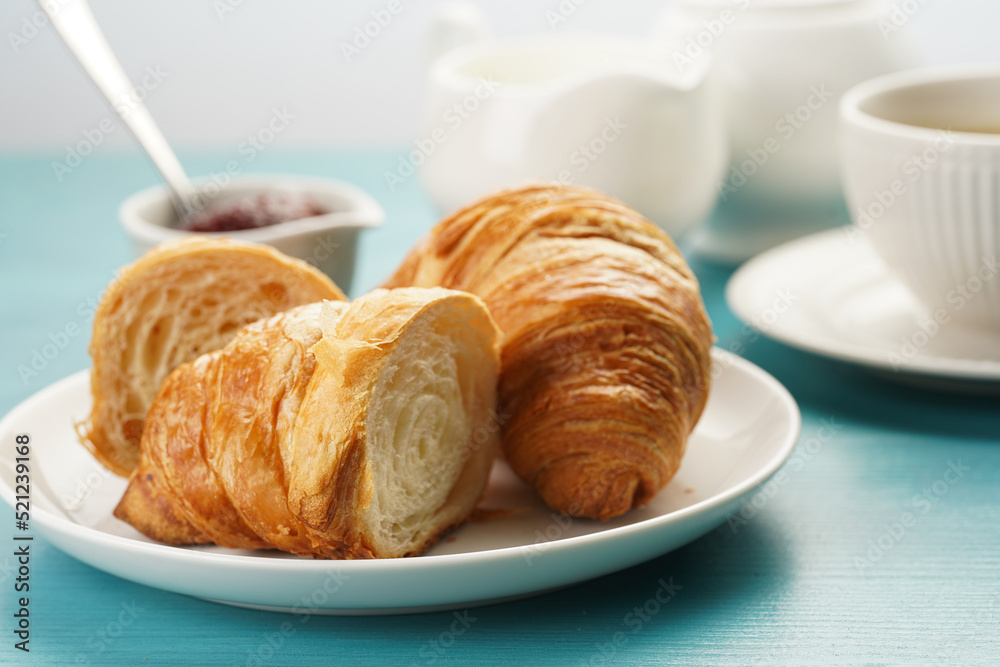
(332, 430)
(606, 356)
(177, 301)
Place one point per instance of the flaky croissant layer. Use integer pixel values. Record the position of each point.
(332, 430)
(606, 354)
(178, 301)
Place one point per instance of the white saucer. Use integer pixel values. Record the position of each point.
(748, 429)
(829, 293)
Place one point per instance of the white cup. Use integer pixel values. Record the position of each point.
(920, 157)
(606, 112)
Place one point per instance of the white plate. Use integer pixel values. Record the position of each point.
(748, 429)
(830, 294)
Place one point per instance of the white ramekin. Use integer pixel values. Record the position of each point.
(328, 242)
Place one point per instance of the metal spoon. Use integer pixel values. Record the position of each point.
(75, 23)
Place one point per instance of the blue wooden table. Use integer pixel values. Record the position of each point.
(824, 571)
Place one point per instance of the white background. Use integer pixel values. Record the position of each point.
(227, 70)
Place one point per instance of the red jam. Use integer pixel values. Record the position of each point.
(263, 210)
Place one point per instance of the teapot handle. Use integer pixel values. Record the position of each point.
(454, 24)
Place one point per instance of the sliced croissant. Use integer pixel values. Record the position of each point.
(330, 430)
(606, 354)
(179, 300)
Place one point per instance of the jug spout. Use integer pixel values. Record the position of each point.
(454, 24)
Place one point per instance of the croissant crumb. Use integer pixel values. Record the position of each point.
(326, 432)
(176, 302)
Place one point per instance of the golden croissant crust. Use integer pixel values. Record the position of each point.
(606, 354)
(178, 301)
(332, 430)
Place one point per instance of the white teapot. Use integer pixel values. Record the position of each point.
(782, 66)
(609, 112)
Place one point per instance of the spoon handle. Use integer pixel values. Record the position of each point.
(75, 24)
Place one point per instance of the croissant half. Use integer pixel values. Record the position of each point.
(606, 356)
(332, 430)
(179, 300)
